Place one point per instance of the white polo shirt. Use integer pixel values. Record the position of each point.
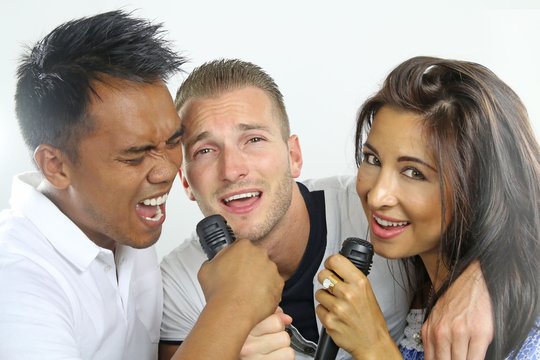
(64, 297)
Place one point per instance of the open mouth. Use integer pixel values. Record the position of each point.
(242, 199)
(152, 209)
(390, 224)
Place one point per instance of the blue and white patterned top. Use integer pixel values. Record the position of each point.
(411, 345)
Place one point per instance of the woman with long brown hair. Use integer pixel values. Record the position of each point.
(449, 174)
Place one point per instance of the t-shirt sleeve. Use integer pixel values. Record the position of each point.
(183, 299)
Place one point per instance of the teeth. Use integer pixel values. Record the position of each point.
(155, 201)
(389, 223)
(156, 217)
(242, 196)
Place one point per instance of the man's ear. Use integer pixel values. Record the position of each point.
(52, 164)
(295, 156)
(185, 184)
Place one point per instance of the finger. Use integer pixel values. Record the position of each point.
(477, 348)
(330, 282)
(459, 347)
(321, 312)
(265, 344)
(272, 324)
(343, 267)
(426, 341)
(328, 320)
(285, 319)
(442, 351)
(325, 311)
(328, 279)
(325, 299)
(441, 342)
(285, 353)
(323, 274)
(335, 262)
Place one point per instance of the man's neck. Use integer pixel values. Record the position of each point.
(287, 242)
(61, 199)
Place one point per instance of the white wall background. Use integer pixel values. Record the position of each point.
(327, 57)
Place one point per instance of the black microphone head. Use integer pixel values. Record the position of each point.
(359, 252)
(214, 234)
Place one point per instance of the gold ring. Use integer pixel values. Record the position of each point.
(329, 283)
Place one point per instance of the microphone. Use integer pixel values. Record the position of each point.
(360, 253)
(214, 234)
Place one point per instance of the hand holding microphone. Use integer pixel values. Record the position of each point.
(243, 280)
(360, 253)
(242, 274)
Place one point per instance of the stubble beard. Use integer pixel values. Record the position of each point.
(279, 205)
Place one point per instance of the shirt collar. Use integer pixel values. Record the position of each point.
(59, 230)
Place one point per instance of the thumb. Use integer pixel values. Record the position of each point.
(285, 319)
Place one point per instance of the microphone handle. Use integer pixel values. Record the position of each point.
(360, 253)
(326, 348)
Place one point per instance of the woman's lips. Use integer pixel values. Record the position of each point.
(386, 229)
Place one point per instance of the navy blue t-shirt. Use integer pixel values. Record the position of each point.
(297, 296)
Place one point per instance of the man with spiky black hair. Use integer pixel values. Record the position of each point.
(79, 275)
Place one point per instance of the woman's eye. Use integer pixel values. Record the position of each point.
(414, 174)
(371, 159)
